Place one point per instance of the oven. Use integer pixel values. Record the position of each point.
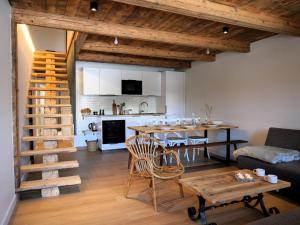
(113, 131)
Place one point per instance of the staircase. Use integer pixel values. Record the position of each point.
(50, 125)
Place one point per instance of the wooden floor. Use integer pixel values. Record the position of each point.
(101, 200)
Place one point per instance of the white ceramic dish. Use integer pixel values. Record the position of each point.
(217, 122)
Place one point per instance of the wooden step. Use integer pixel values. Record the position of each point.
(49, 183)
(47, 105)
(48, 138)
(49, 82)
(47, 89)
(48, 97)
(49, 166)
(46, 151)
(61, 75)
(49, 63)
(38, 68)
(56, 58)
(61, 54)
(48, 115)
(47, 126)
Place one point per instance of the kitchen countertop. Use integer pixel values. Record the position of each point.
(132, 114)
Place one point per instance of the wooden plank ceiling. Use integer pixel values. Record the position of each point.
(166, 33)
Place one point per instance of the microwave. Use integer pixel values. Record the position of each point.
(132, 87)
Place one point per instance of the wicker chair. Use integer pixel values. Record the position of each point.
(145, 163)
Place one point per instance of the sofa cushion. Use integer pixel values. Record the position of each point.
(283, 138)
(291, 217)
(268, 153)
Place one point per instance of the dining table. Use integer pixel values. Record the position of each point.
(151, 130)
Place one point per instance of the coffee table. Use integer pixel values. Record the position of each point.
(223, 189)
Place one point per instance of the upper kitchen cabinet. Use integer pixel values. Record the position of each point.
(174, 93)
(151, 83)
(110, 82)
(131, 75)
(91, 81)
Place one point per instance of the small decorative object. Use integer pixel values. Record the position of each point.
(244, 177)
(114, 108)
(259, 172)
(273, 179)
(208, 112)
(86, 111)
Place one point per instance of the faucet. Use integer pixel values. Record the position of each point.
(141, 105)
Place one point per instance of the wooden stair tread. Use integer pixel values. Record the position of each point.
(47, 105)
(57, 58)
(63, 54)
(49, 63)
(47, 138)
(60, 75)
(49, 97)
(47, 126)
(49, 166)
(46, 151)
(49, 81)
(47, 89)
(54, 182)
(48, 68)
(48, 115)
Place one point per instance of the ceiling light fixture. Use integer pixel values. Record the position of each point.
(207, 51)
(94, 5)
(225, 30)
(116, 41)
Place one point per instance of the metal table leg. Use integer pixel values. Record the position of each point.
(200, 216)
(228, 146)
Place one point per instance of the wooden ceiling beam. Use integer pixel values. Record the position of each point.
(209, 10)
(71, 8)
(133, 60)
(80, 39)
(124, 31)
(102, 46)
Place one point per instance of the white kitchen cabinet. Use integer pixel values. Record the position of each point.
(131, 75)
(174, 93)
(110, 82)
(151, 83)
(91, 81)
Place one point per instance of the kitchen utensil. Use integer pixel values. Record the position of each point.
(93, 126)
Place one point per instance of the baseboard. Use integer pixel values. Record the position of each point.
(9, 212)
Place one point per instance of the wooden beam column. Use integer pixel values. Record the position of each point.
(124, 31)
(209, 10)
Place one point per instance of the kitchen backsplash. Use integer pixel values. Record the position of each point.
(95, 103)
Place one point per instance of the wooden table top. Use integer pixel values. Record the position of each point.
(217, 188)
(177, 128)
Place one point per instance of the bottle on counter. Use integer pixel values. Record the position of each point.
(114, 108)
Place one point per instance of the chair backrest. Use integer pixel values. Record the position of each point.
(142, 147)
(283, 138)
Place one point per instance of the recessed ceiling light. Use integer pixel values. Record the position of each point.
(207, 51)
(116, 41)
(225, 30)
(94, 5)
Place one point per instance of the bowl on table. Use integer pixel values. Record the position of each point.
(217, 122)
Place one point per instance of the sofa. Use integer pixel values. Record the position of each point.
(283, 138)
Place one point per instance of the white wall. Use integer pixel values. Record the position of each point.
(105, 102)
(7, 185)
(255, 91)
(25, 58)
(48, 38)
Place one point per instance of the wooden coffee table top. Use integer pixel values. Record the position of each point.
(221, 187)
